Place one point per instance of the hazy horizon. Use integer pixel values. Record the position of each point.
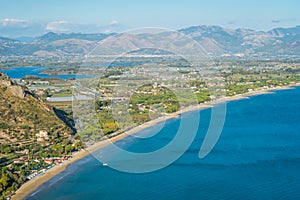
(33, 18)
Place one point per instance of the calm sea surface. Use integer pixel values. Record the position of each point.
(256, 157)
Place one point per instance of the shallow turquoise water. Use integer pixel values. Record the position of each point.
(256, 157)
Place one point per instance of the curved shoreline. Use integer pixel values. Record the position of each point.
(32, 185)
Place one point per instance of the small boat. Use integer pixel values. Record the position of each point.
(105, 164)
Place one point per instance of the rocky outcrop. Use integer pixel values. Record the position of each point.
(8, 84)
(4, 80)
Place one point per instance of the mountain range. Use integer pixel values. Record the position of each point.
(216, 41)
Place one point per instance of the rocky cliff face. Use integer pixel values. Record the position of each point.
(4, 80)
(13, 88)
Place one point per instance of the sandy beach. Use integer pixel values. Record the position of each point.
(32, 185)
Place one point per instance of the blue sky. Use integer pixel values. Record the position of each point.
(35, 17)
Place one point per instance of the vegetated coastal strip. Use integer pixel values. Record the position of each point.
(32, 185)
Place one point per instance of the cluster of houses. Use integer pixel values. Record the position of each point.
(42, 136)
(33, 81)
(51, 161)
(55, 160)
(38, 173)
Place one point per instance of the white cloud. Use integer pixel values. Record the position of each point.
(59, 26)
(65, 26)
(275, 21)
(11, 27)
(113, 23)
(10, 22)
(113, 26)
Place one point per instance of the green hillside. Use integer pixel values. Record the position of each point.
(30, 131)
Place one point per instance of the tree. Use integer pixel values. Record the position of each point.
(69, 148)
(4, 181)
(7, 150)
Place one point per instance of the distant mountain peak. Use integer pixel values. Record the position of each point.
(51, 36)
(215, 39)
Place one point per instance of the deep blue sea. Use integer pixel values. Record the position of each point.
(21, 72)
(256, 157)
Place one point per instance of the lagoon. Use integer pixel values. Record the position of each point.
(22, 72)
